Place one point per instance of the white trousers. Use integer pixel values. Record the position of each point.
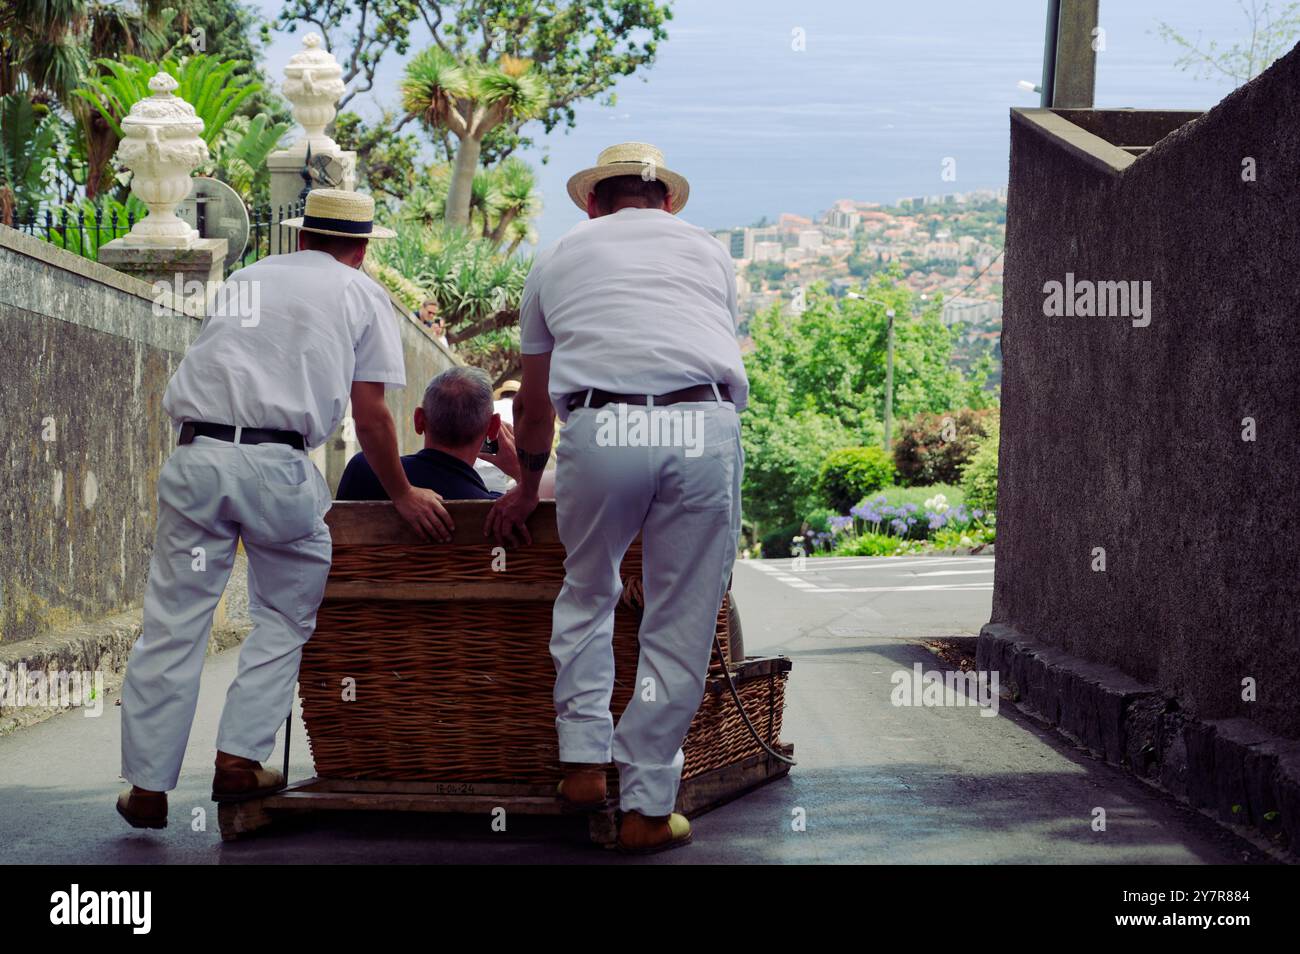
(685, 503)
(211, 494)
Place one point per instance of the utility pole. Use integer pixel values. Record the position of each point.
(889, 380)
(889, 363)
(1069, 56)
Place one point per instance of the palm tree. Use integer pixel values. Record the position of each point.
(40, 47)
(469, 99)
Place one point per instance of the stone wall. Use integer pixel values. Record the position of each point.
(1130, 439)
(82, 373)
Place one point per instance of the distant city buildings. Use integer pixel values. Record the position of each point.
(972, 311)
(948, 247)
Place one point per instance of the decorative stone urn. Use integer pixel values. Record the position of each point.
(313, 84)
(161, 147)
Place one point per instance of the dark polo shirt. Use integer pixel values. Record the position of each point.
(446, 475)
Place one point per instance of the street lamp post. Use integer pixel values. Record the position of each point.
(889, 364)
(889, 380)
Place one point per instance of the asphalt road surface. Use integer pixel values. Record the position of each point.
(876, 782)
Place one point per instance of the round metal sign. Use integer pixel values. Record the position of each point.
(217, 211)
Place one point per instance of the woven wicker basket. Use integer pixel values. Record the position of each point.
(429, 663)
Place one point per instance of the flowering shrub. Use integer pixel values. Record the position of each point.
(877, 544)
(936, 520)
(875, 527)
(934, 448)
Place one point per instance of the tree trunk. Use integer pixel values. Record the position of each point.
(461, 189)
(499, 233)
(101, 145)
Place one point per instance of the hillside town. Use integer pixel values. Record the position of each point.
(949, 248)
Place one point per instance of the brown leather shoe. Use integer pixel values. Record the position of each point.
(238, 779)
(143, 809)
(583, 788)
(643, 835)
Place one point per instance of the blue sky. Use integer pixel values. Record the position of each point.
(883, 92)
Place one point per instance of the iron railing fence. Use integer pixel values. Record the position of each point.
(83, 231)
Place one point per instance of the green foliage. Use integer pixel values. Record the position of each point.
(215, 88)
(434, 79)
(980, 476)
(875, 545)
(897, 496)
(234, 30)
(817, 385)
(510, 201)
(777, 544)
(933, 448)
(783, 456)
(849, 474)
(577, 50)
(46, 47)
(976, 536)
(494, 66)
(477, 288)
(81, 235)
(386, 157)
(818, 521)
(29, 137)
(1271, 34)
(239, 155)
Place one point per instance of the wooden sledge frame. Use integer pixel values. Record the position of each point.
(696, 796)
(377, 524)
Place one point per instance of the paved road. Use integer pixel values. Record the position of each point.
(875, 782)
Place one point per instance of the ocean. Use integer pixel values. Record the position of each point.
(771, 107)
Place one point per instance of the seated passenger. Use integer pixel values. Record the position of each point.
(456, 418)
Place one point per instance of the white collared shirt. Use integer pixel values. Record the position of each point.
(637, 302)
(283, 341)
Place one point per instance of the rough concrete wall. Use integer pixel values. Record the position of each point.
(82, 373)
(1130, 438)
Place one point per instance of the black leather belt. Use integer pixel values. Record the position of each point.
(599, 398)
(247, 435)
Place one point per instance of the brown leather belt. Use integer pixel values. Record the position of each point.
(247, 435)
(599, 398)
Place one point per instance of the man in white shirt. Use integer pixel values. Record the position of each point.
(284, 344)
(628, 333)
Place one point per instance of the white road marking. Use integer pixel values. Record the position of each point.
(783, 572)
(903, 589)
(903, 566)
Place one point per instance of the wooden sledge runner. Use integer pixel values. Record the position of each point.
(427, 684)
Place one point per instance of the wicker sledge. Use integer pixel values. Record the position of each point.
(427, 685)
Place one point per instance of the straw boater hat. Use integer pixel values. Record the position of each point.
(339, 212)
(630, 159)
